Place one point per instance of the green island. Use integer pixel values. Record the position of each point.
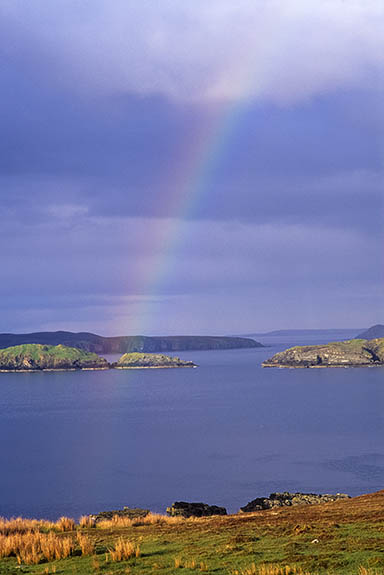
(35, 357)
(149, 360)
(342, 537)
(351, 353)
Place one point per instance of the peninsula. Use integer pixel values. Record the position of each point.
(352, 353)
(130, 343)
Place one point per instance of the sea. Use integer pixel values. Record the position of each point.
(73, 443)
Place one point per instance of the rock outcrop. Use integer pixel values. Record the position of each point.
(126, 512)
(353, 353)
(287, 499)
(185, 509)
(142, 360)
(36, 357)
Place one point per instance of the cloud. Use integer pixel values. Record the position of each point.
(206, 50)
(214, 164)
(124, 275)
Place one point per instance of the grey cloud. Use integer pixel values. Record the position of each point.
(209, 50)
(213, 165)
(110, 271)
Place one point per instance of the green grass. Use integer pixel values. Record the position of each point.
(46, 355)
(224, 546)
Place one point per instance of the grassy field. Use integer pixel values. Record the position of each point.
(343, 537)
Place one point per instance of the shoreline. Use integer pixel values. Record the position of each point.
(50, 370)
(338, 366)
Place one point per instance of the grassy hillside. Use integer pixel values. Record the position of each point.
(33, 357)
(340, 538)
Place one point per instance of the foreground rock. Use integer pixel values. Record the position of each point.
(137, 360)
(126, 512)
(353, 353)
(36, 357)
(287, 499)
(184, 509)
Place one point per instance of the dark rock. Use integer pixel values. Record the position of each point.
(184, 509)
(287, 499)
(130, 513)
(352, 353)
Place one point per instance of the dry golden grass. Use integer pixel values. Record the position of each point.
(87, 521)
(66, 524)
(34, 547)
(86, 544)
(181, 563)
(150, 519)
(253, 569)
(20, 525)
(124, 550)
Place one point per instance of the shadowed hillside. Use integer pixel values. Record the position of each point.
(125, 344)
(373, 332)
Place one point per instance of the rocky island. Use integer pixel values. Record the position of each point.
(150, 360)
(352, 353)
(36, 357)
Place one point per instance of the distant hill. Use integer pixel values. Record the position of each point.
(125, 344)
(372, 333)
(301, 332)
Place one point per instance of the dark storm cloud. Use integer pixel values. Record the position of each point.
(130, 153)
(110, 111)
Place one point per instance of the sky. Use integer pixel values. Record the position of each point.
(205, 167)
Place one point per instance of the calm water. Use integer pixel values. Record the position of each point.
(225, 433)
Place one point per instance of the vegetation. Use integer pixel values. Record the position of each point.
(353, 353)
(131, 360)
(34, 357)
(338, 538)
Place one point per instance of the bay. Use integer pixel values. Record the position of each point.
(224, 433)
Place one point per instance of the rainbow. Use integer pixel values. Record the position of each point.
(189, 182)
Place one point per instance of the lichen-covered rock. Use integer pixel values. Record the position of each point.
(137, 360)
(37, 357)
(185, 509)
(286, 499)
(353, 353)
